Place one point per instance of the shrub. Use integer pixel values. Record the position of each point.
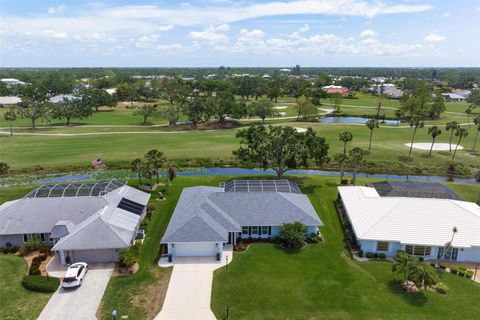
(433, 264)
(22, 251)
(40, 284)
(469, 274)
(441, 288)
(375, 255)
(313, 238)
(369, 255)
(8, 250)
(129, 256)
(360, 253)
(462, 268)
(33, 243)
(453, 270)
(461, 273)
(443, 266)
(277, 239)
(144, 224)
(382, 255)
(293, 234)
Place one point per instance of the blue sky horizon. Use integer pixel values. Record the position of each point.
(245, 33)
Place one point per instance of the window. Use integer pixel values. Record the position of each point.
(25, 238)
(264, 229)
(244, 230)
(382, 246)
(42, 237)
(418, 250)
(255, 230)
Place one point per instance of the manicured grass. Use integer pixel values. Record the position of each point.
(323, 282)
(16, 302)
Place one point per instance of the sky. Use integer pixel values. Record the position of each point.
(241, 33)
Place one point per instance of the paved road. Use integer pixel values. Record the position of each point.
(190, 289)
(80, 303)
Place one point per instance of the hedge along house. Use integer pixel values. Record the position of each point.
(419, 226)
(208, 218)
(83, 222)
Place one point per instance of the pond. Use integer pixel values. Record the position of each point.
(352, 120)
(127, 174)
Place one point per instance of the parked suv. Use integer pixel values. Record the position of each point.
(75, 274)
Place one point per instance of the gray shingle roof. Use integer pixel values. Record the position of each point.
(414, 189)
(207, 214)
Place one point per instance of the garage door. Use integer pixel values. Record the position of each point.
(195, 249)
(108, 255)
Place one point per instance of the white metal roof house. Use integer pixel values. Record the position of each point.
(420, 226)
(83, 222)
(207, 218)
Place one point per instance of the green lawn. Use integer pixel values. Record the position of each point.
(16, 302)
(323, 282)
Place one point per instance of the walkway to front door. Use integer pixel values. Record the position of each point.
(190, 288)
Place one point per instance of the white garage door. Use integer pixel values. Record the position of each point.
(195, 249)
(107, 255)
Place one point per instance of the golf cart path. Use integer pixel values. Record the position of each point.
(190, 288)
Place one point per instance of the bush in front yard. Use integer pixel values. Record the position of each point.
(360, 253)
(293, 234)
(12, 249)
(33, 244)
(441, 288)
(453, 270)
(461, 273)
(469, 274)
(40, 284)
(382, 256)
(129, 256)
(313, 238)
(369, 255)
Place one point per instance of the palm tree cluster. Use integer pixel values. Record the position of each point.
(411, 269)
(153, 164)
(353, 158)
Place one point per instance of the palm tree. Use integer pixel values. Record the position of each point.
(157, 161)
(448, 245)
(345, 136)
(468, 112)
(340, 158)
(171, 169)
(403, 263)
(477, 124)
(460, 133)
(398, 115)
(415, 122)
(423, 275)
(136, 166)
(434, 132)
(355, 157)
(452, 125)
(371, 124)
(10, 116)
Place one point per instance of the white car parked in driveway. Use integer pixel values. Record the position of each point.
(75, 274)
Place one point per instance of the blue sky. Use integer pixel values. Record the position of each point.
(406, 33)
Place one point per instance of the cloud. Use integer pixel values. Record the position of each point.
(297, 34)
(434, 37)
(211, 34)
(54, 34)
(56, 10)
(446, 14)
(305, 28)
(147, 41)
(169, 47)
(94, 37)
(368, 33)
(167, 27)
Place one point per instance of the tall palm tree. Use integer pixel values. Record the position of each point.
(340, 158)
(415, 122)
(434, 132)
(403, 263)
(460, 133)
(451, 126)
(477, 125)
(468, 112)
(423, 275)
(171, 169)
(371, 124)
(356, 156)
(345, 136)
(136, 166)
(157, 160)
(10, 116)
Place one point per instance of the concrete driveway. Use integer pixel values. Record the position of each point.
(79, 303)
(190, 288)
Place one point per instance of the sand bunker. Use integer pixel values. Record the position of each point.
(436, 146)
(280, 107)
(301, 130)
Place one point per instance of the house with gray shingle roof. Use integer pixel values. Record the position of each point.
(81, 222)
(208, 218)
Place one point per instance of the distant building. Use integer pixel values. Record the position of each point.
(332, 89)
(59, 98)
(461, 92)
(9, 100)
(285, 70)
(111, 91)
(393, 93)
(454, 97)
(12, 82)
(266, 76)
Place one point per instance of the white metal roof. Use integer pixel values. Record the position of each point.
(422, 221)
